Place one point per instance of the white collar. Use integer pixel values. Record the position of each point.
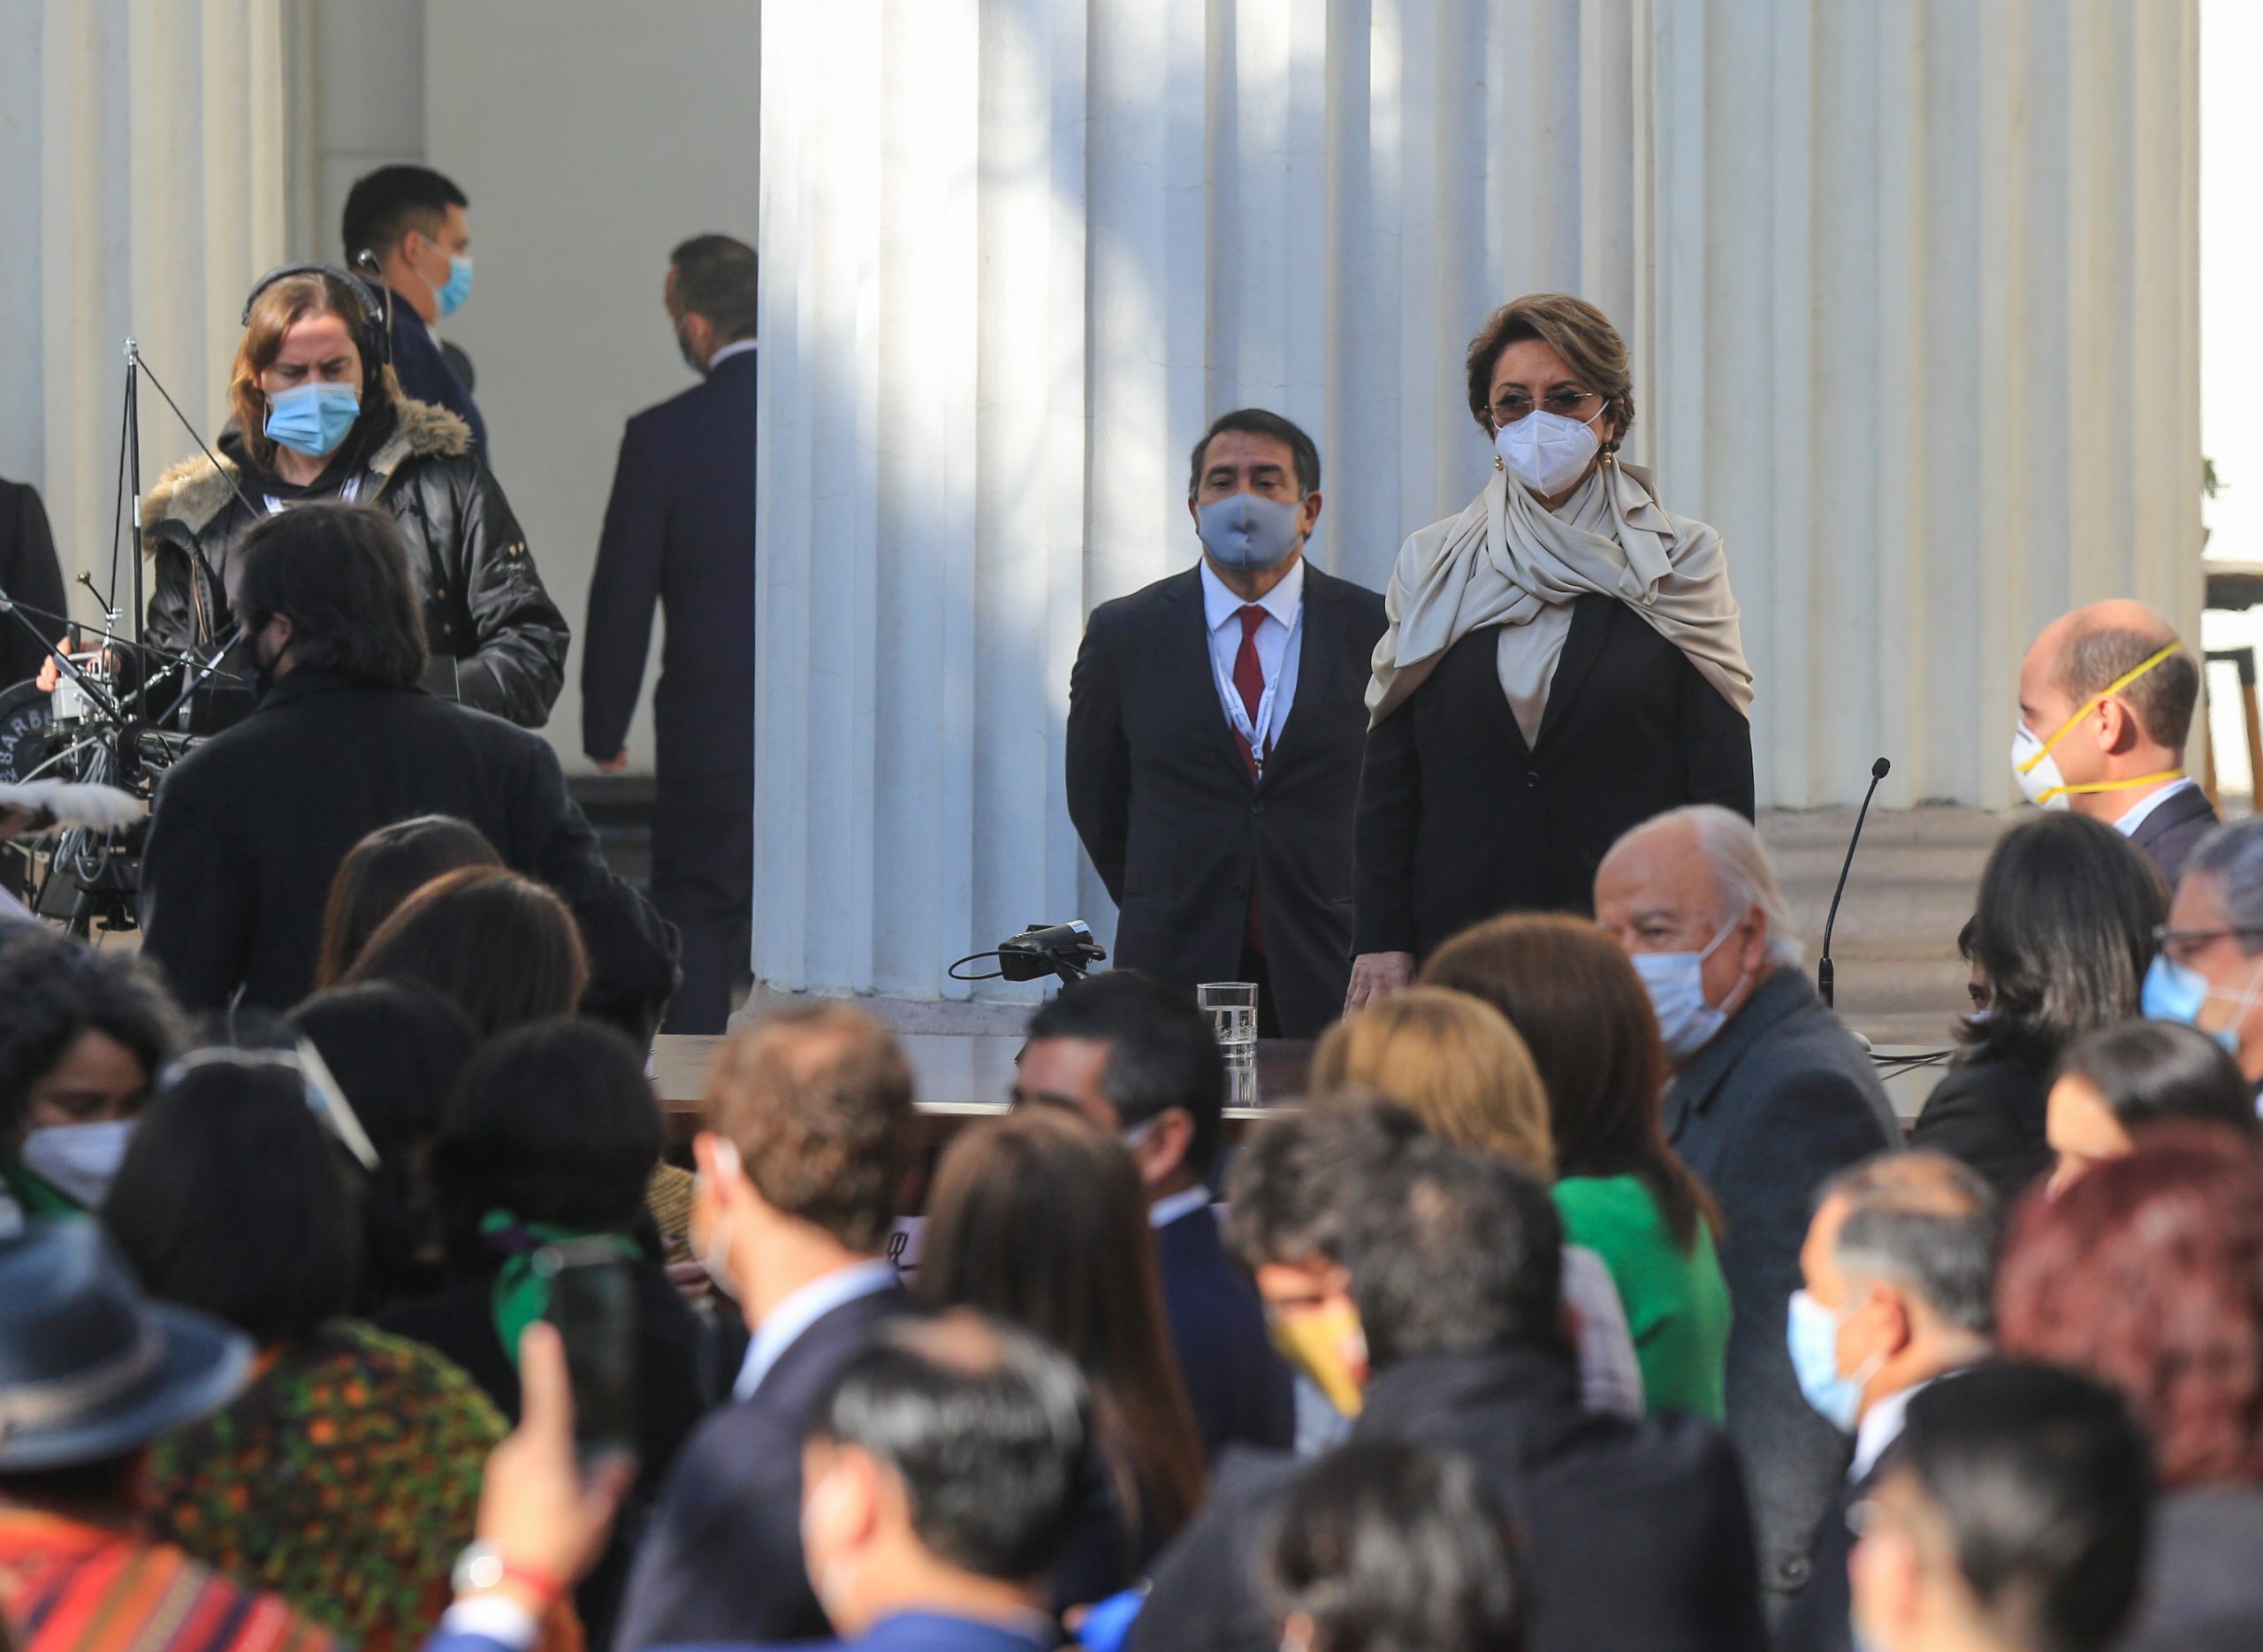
(1220, 604)
(2128, 825)
(737, 347)
(804, 1308)
(1171, 1206)
(1881, 1427)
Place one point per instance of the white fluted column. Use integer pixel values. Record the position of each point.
(142, 190)
(1911, 288)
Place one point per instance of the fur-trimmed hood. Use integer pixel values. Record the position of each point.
(193, 492)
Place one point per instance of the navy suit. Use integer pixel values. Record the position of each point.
(1780, 1100)
(1241, 1390)
(680, 528)
(2173, 831)
(906, 1632)
(721, 1560)
(425, 374)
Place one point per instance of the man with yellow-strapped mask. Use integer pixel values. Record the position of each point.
(2105, 700)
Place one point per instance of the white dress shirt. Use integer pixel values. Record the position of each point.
(1881, 1427)
(2128, 825)
(803, 1309)
(737, 347)
(1169, 1208)
(1284, 606)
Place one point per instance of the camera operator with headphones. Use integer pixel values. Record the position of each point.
(316, 413)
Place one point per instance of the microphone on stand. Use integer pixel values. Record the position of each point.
(1825, 978)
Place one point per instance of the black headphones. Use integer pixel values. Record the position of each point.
(370, 337)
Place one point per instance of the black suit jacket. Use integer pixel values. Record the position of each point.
(250, 827)
(2172, 832)
(1240, 1389)
(1780, 1100)
(1818, 1619)
(1161, 797)
(1990, 1111)
(680, 527)
(29, 574)
(425, 373)
(1632, 1534)
(721, 1561)
(1460, 819)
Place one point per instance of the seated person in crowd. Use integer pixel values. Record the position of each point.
(1448, 1263)
(1460, 1068)
(2118, 1081)
(1040, 1218)
(1622, 1190)
(1900, 1271)
(2012, 1518)
(2064, 928)
(2147, 1273)
(1384, 1543)
(1142, 1063)
(552, 1135)
(380, 873)
(83, 1037)
(79, 1571)
(2209, 973)
(1770, 1097)
(345, 1476)
(810, 1135)
(2105, 700)
(249, 829)
(502, 947)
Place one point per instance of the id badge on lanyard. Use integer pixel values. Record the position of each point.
(1237, 714)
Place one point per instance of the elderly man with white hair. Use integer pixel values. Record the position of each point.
(1770, 1097)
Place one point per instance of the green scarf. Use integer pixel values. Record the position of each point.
(33, 1192)
(521, 1291)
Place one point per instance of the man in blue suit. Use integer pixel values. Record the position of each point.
(410, 223)
(941, 1472)
(679, 530)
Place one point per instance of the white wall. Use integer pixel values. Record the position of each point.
(356, 71)
(591, 137)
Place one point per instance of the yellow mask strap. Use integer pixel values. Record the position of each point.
(2111, 786)
(2084, 710)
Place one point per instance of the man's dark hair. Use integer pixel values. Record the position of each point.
(58, 990)
(385, 205)
(341, 573)
(2164, 699)
(983, 1424)
(1924, 1222)
(715, 276)
(233, 1200)
(1384, 1543)
(1258, 422)
(1448, 1251)
(1162, 1053)
(2044, 1487)
(2149, 1071)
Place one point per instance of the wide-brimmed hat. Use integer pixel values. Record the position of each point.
(90, 1368)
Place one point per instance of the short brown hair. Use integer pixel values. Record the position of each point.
(280, 306)
(1456, 1062)
(2163, 699)
(1572, 327)
(818, 1101)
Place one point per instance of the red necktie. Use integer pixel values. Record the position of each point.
(1249, 683)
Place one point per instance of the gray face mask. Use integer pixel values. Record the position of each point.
(1245, 534)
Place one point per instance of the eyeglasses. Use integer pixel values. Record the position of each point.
(2182, 946)
(1565, 402)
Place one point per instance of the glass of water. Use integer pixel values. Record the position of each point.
(1233, 1008)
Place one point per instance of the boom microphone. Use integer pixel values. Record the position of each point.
(1825, 978)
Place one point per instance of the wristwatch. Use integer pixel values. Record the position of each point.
(481, 1567)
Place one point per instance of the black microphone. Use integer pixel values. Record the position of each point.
(1826, 981)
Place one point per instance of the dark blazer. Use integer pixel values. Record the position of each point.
(1817, 1620)
(425, 374)
(920, 1631)
(1240, 1388)
(679, 529)
(1460, 819)
(29, 574)
(249, 828)
(1163, 801)
(1780, 1100)
(1990, 1112)
(2206, 1585)
(1633, 1535)
(2172, 832)
(721, 1560)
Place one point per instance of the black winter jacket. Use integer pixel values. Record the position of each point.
(484, 606)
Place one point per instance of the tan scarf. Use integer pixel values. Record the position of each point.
(1508, 560)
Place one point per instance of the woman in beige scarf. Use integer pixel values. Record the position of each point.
(1562, 661)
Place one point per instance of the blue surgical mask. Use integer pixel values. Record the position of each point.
(312, 419)
(1676, 984)
(457, 288)
(1247, 534)
(82, 1160)
(2177, 992)
(1811, 1333)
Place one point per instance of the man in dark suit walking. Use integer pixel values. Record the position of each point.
(1216, 723)
(2105, 700)
(411, 223)
(680, 527)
